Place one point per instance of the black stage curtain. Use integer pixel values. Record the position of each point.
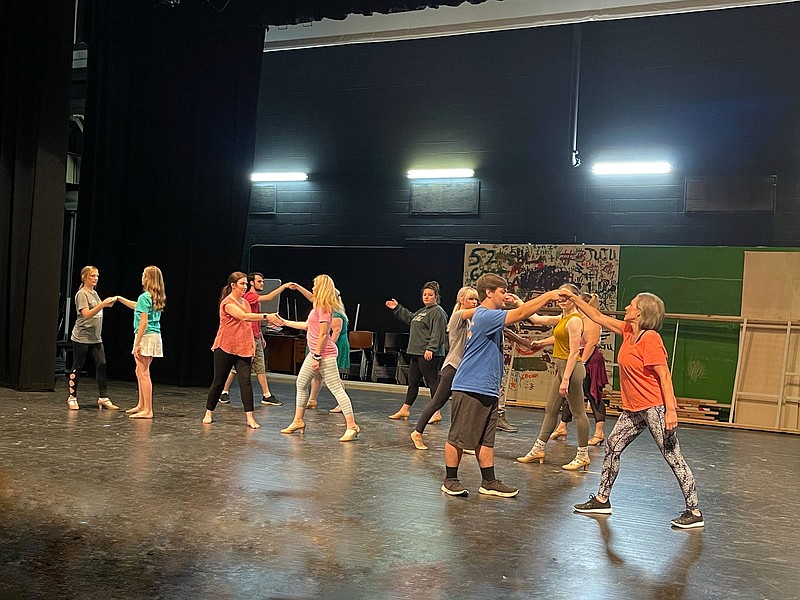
(292, 12)
(170, 128)
(35, 38)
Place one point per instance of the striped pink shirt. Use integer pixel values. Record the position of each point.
(318, 319)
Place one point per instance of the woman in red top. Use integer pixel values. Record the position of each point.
(234, 346)
(648, 401)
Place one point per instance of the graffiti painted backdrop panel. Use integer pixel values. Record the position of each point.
(531, 270)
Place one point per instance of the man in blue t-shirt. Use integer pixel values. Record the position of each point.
(476, 386)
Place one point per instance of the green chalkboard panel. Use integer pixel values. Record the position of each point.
(705, 280)
(705, 358)
(690, 279)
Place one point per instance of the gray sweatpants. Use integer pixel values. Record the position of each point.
(574, 398)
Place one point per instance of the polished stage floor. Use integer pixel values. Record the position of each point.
(96, 505)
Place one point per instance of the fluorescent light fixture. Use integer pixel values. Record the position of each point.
(440, 173)
(278, 176)
(652, 167)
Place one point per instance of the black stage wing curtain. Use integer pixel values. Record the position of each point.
(35, 43)
(170, 128)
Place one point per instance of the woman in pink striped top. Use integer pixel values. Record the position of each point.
(321, 357)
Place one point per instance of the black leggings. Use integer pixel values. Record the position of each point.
(439, 398)
(79, 353)
(419, 368)
(597, 405)
(223, 362)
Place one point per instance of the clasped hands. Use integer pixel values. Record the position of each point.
(275, 319)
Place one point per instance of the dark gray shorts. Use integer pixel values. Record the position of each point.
(473, 420)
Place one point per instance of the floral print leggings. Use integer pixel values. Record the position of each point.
(628, 427)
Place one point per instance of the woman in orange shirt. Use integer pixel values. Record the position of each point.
(234, 347)
(648, 401)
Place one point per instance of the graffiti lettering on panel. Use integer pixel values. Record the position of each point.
(531, 270)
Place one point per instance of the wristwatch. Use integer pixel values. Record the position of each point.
(316, 357)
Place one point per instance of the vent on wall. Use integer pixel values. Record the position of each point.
(731, 194)
(444, 198)
(263, 199)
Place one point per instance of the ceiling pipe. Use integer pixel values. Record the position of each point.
(575, 91)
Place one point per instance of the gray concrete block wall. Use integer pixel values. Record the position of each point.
(356, 117)
(328, 218)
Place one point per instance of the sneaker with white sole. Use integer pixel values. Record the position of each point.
(224, 398)
(688, 520)
(453, 487)
(271, 400)
(497, 488)
(594, 506)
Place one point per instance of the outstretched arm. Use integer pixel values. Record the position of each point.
(595, 315)
(539, 344)
(466, 313)
(524, 346)
(515, 315)
(295, 324)
(540, 320)
(399, 311)
(534, 318)
(88, 313)
(274, 293)
(238, 313)
(308, 295)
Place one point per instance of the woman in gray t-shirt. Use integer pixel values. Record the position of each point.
(457, 330)
(87, 336)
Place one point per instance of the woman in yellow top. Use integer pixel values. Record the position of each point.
(570, 372)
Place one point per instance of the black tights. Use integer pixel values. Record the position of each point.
(79, 353)
(223, 362)
(439, 398)
(419, 368)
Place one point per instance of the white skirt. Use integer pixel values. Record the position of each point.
(151, 345)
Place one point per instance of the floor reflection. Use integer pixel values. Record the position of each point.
(96, 505)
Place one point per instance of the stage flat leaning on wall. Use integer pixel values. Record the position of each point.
(769, 387)
(531, 270)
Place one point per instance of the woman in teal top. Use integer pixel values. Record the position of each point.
(147, 341)
(343, 341)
